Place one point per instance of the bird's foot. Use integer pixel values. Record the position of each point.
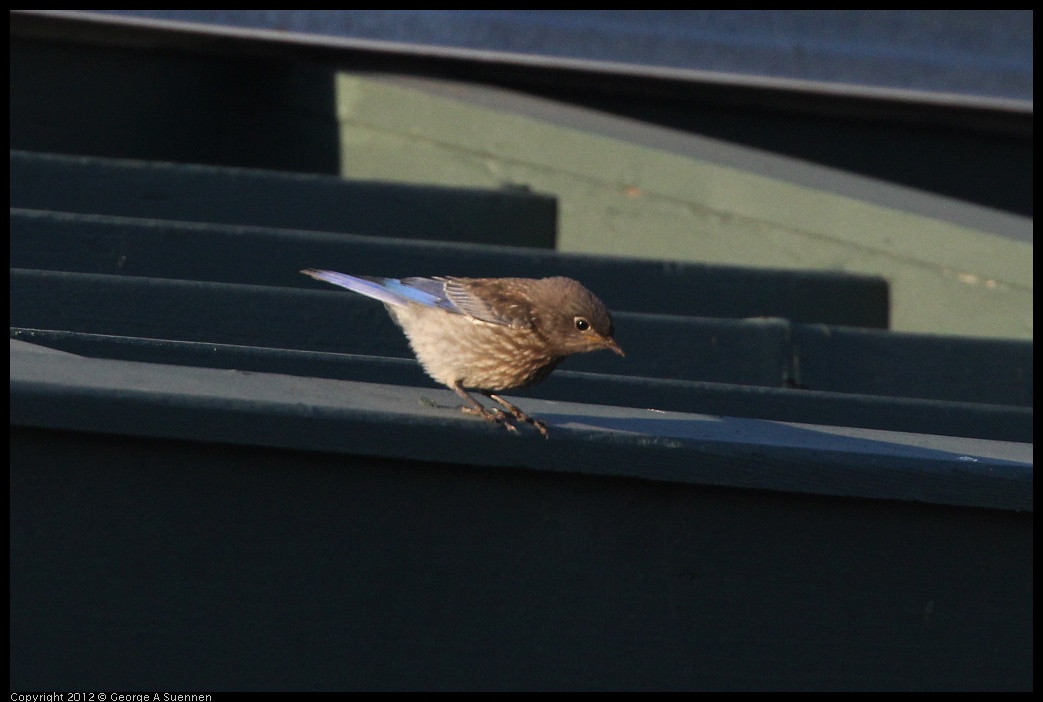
(520, 416)
(495, 415)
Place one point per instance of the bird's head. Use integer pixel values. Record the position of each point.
(573, 319)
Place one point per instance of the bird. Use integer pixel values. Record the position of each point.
(489, 335)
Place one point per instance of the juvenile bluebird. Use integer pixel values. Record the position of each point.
(489, 334)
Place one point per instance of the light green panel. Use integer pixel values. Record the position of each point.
(621, 198)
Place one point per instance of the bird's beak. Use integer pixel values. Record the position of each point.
(611, 345)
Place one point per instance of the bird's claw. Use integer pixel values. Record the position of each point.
(520, 416)
(506, 417)
(494, 415)
(498, 416)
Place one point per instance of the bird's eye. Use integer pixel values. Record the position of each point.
(582, 324)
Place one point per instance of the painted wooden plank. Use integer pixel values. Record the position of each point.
(267, 256)
(981, 421)
(176, 402)
(195, 193)
(643, 191)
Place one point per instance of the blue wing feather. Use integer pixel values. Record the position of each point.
(455, 295)
(391, 291)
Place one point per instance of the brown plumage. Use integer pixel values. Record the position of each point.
(490, 334)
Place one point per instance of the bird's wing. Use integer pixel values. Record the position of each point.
(493, 300)
(429, 292)
(390, 291)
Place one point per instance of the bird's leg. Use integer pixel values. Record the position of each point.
(519, 415)
(476, 407)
